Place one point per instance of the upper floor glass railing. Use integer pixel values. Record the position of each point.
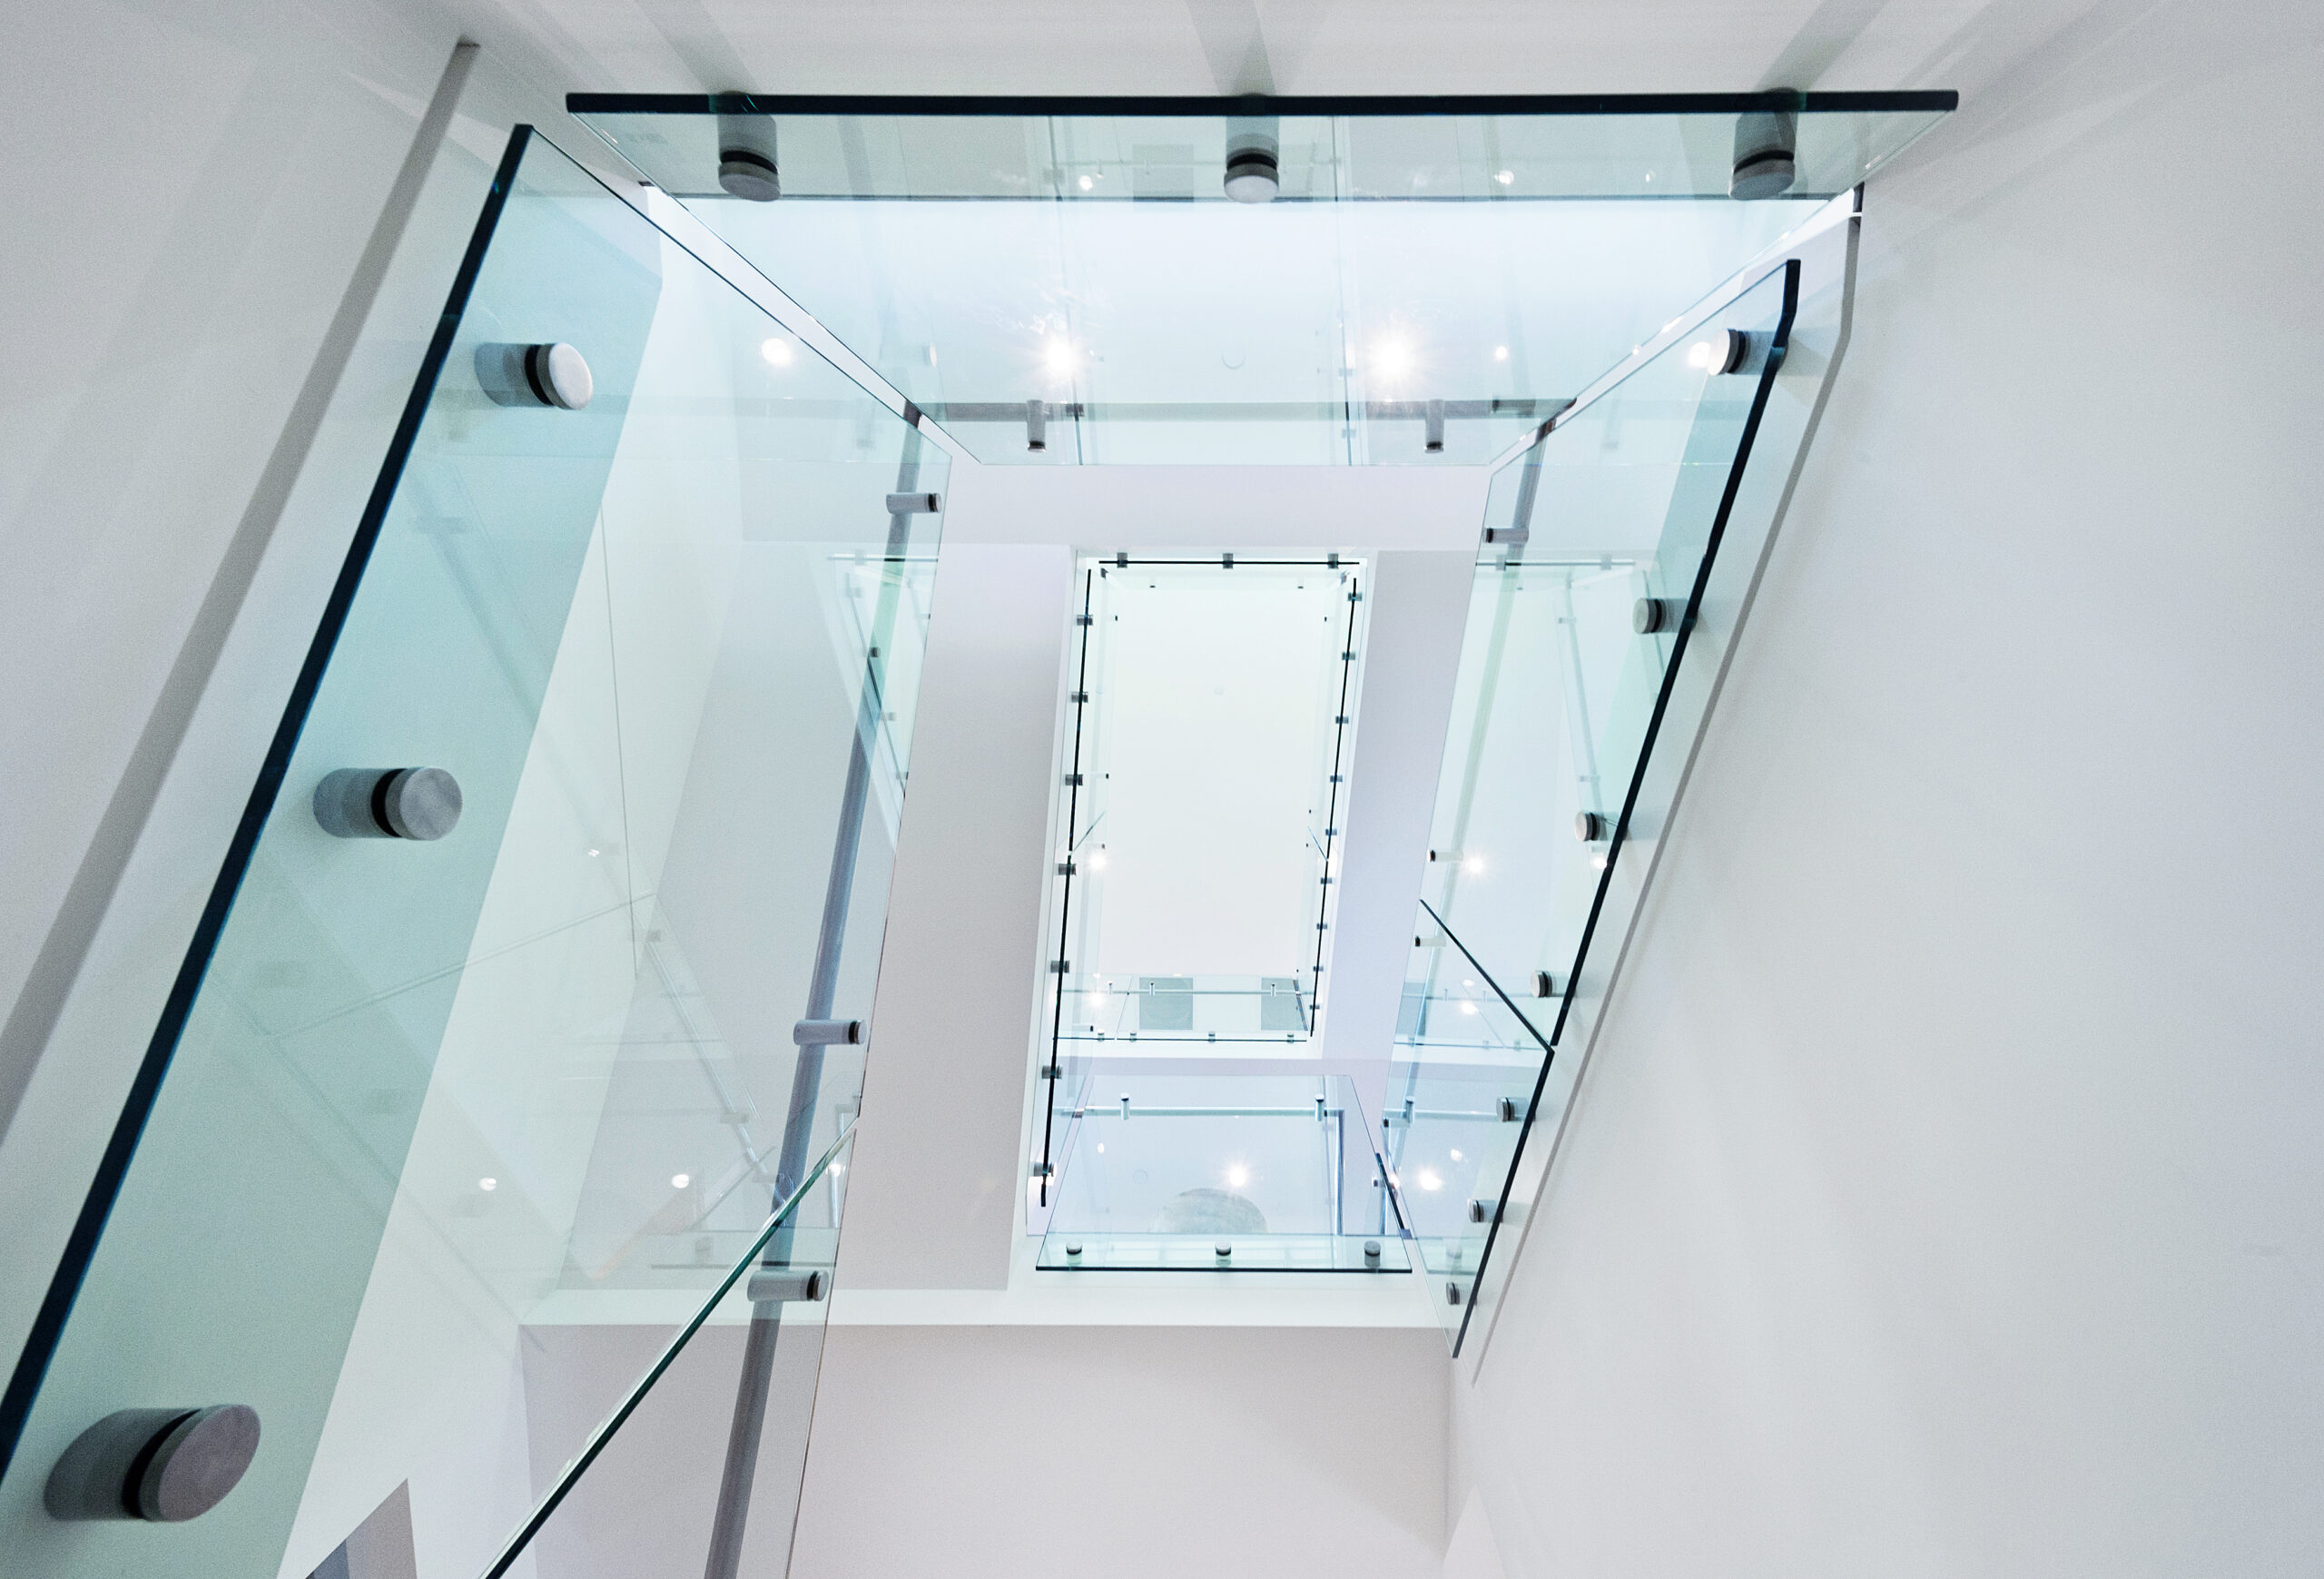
(536, 972)
(1230, 1172)
(1095, 281)
(1248, 661)
(1618, 552)
(1234, 1011)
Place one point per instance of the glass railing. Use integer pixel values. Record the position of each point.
(724, 1402)
(1163, 663)
(1618, 552)
(1461, 1087)
(1222, 1173)
(481, 1076)
(1043, 277)
(1233, 1011)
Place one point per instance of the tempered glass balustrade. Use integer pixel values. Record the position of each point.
(1221, 1173)
(1207, 1010)
(1063, 281)
(435, 1126)
(1249, 663)
(1600, 542)
(696, 1466)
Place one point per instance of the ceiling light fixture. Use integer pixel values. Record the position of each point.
(1504, 176)
(777, 351)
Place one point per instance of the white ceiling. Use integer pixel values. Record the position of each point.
(1213, 46)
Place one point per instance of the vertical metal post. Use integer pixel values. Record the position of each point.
(749, 1426)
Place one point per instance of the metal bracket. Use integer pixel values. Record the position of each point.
(782, 1286)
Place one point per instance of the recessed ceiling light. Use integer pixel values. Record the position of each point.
(1237, 1176)
(1087, 183)
(1429, 1180)
(1060, 356)
(488, 1184)
(1500, 353)
(680, 1181)
(777, 351)
(1504, 176)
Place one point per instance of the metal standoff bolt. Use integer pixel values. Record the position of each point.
(1722, 351)
(746, 158)
(914, 503)
(784, 1285)
(1452, 1294)
(1222, 1250)
(534, 375)
(1590, 828)
(1037, 425)
(1371, 1254)
(827, 1033)
(1480, 1211)
(1544, 984)
(1765, 163)
(1073, 1246)
(1433, 416)
(166, 1465)
(1507, 1110)
(1650, 614)
(387, 803)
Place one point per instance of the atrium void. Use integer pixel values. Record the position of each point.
(740, 681)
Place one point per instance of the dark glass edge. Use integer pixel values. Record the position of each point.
(1225, 1272)
(1778, 346)
(1903, 100)
(113, 1168)
(1332, 806)
(778, 1221)
(1053, 1072)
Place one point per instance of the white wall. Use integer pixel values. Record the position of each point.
(1943, 1197)
(1136, 1453)
(208, 360)
(938, 1172)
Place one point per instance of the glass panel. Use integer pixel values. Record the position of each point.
(1668, 146)
(1229, 1172)
(1597, 537)
(435, 1100)
(706, 1452)
(1460, 1092)
(1425, 289)
(1180, 662)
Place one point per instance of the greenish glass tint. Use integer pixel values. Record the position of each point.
(1674, 149)
(1429, 284)
(1174, 657)
(708, 1446)
(1598, 538)
(1238, 1172)
(435, 1101)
